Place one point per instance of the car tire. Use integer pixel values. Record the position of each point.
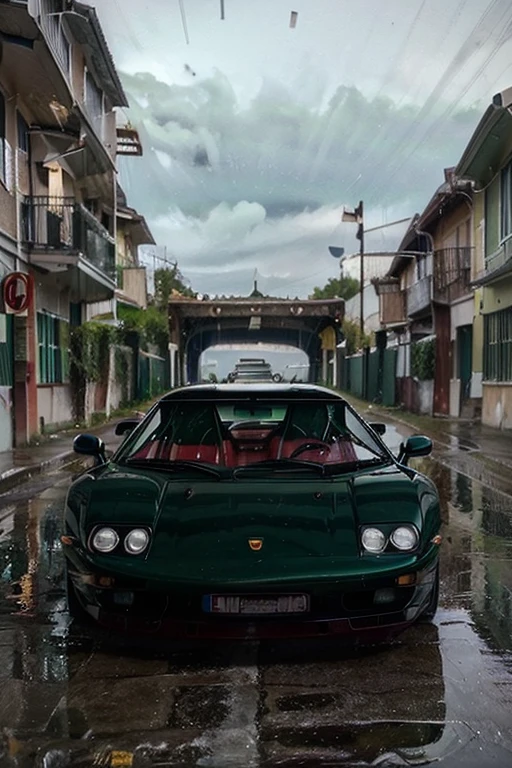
(75, 607)
(431, 609)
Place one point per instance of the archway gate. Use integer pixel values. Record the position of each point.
(196, 324)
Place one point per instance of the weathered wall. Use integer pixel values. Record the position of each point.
(454, 397)
(135, 285)
(54, 403)
(426, 397)
(497, 296)
(461, 313)
(497, 405)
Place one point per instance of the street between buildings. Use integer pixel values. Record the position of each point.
(72, 695)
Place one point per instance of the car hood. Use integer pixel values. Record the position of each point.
(204, 528)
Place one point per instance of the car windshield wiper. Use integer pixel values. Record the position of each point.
(354, 466)
(172, 465)
(284, 465)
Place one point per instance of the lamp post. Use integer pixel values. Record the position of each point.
(357, 217)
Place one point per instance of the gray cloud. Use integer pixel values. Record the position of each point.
(233, 187)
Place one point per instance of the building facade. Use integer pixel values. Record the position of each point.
(59, 198)
(487, 162)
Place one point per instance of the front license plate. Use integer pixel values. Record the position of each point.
(257, 605)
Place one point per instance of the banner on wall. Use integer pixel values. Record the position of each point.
(17, 293)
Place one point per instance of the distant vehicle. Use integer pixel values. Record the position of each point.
(253, 511)
(253, 370)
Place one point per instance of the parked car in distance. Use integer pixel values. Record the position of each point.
(252, 371)
(253, 511)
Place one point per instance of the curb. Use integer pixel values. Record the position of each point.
(18, 475)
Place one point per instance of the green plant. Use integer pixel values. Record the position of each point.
(337, 287)
(150, 324)
(89, 350)
(352, 335)
(122, 371)
(423, 359)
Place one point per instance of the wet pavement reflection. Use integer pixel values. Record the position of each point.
(73, 695)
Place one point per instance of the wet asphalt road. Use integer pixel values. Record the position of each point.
(74, 696)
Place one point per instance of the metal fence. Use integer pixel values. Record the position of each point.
(153, 375)
(371, 375)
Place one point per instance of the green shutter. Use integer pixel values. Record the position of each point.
(6, 352)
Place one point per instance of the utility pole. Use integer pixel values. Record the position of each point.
(357, 217)
(360, 237)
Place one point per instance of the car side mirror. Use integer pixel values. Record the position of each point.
(90, 445)
(126, 425)
(378, 427)
(415, 446)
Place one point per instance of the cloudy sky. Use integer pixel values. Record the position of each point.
(256, 134)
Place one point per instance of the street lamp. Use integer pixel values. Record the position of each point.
(356, 217)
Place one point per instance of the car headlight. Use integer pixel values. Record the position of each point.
(404, 538)
(136, 541)
(105, 540)
(373, 540)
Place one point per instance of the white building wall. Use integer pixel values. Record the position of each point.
(370, 309)
(54, 403)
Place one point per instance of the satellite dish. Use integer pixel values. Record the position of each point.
(336, 252)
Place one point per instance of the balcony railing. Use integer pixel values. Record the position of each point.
(62, 224)
(452, 274)
(50, 18)
(419, 295)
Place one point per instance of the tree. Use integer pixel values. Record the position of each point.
(337, 288)
(352, 335)
(168, 280)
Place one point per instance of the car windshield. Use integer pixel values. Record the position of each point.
(236, 434)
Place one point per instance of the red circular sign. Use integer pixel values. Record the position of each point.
(18, 290)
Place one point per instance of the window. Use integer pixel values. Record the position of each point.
(506, 202)
(2, 137)
(94, 103)
(498, 346)
(23, 136)
(52, 335)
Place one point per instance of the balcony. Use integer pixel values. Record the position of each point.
(498, 265)
(60, 231)
(419, 296)
(452, 274)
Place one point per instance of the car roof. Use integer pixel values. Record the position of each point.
(256, 391)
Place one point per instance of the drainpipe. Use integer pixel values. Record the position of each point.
(426, 234)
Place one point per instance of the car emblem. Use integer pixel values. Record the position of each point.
(256, 544)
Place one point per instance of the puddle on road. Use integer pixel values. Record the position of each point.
(74, 694)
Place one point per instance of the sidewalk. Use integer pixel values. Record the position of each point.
(54, 451)
(481, 452)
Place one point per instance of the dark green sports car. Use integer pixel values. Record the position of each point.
(253, 511)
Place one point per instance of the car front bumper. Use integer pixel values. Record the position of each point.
(341, 607)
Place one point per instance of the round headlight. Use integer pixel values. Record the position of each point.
(136, 541)
(373, 540)
(404, 538)
(105, 540)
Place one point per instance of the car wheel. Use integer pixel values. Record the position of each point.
(430, 611)
(75, 607)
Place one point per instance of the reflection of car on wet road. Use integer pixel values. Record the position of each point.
(253, 511)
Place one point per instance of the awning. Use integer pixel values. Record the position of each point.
(79, 158)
